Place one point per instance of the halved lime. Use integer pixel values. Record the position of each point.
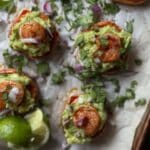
(15, 130)
(40, 129)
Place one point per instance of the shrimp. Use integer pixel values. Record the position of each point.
(33, 30)
(43, 16)
(112, 52)
(7, 71)
(107, 23)
(6, 87)
(87, 118)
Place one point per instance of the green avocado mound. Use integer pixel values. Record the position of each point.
(95, 98)
(87, 48)
(31, 50)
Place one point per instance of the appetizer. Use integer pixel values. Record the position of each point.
(18, 92)
(84, 116)
(30, 131)
(130, 2)
(33, 34)
(103, 47)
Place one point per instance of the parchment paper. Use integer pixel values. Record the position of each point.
(119, 132)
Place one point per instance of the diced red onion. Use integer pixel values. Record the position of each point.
(47, 8)
(78, 68)
(65, 145)
(4, 112)
(97, 11)
(30, 40)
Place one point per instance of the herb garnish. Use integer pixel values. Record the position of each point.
(129, 26)
(129, 95)
(138, 61)
(116, 83)
(111, 8)
(96, 91)
(58, 78)
(140, 102)
(43, 68)
(7, 5)
(16, 61)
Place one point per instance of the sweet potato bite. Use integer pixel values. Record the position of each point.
(33, 34)
(83, 117)
(103, 47)
(18, 92)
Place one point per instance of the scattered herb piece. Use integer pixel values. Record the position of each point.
(129, 95)
(59, 19)
(70, 70)
(116, 84)
(5, 96)
(16, 61)
(43, 68)
(7, 5)
(111, 8)
(140, 102)
(138, 62)
(35, 8)
(134, 83)
(96, 91)
(58, 78)
(129, 26)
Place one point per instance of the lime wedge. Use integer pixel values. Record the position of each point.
(40, 129)
(15, 130)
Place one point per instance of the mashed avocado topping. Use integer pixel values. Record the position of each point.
(87, 47)
(32, 50)
(76, 135)
(15, 77)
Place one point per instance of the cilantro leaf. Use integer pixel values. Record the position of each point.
(111, 8)
(43, 68)
(129, 26)
(58, 78)
(7, 5)
(140, 102)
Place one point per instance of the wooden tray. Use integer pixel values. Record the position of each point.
(141, 130)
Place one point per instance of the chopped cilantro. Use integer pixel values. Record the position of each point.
(70, 70)
(129, 95)
(138, 62)
(7, 5)
(16, 61)
(5, 96)
(58, 78)
(111, 8)
(43, 68)
(134, 83)
(35, 8)
(140, 102)
(116, 83)
(129, 26)
(59, 19)
(95, 91)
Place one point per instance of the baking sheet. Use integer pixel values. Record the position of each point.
(119, 132)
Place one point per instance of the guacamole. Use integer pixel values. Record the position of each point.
(32, 50)
(87, 48)
(76, 135)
